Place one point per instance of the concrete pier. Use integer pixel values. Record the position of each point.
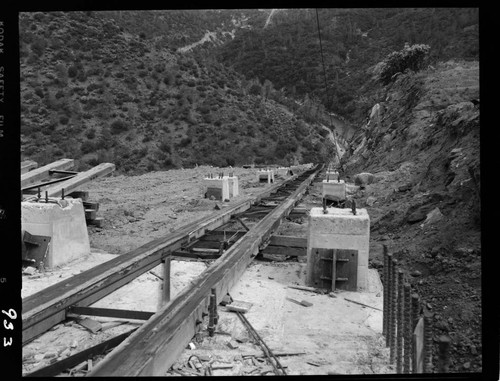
(234, 188)
(217, 187)
(64, 222)
(265, 175)
(283, 171)
(338, 229)
(334, 189)
(331, 175)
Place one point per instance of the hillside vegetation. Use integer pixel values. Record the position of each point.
(96, 92)
(287, 52)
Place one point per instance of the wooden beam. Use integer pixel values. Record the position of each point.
(166, 280)
(38, 174)
(109, 312)
(155, 346)
(282, 250)
(60, 366)
(46, 308)
(289, 241)
(81, 178)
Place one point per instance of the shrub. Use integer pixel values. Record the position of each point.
(38, 46)
(39, 92)
(184, 142)
(87, 146)
(64, 120)
(118, 126)
(414, 57)
(72, 71)
(90, 134)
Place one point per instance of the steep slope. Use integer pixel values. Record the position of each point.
(421, 143)
(94, 91)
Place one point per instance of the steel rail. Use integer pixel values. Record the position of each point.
(156, 345)
(44, 309)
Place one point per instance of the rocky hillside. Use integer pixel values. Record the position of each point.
(95, 91)
(420, 151)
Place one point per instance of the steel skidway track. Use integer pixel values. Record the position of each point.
(153, 348)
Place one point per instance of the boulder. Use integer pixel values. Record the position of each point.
(433, 216)
(363, 179)
(370, 201)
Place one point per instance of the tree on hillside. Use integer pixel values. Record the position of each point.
(412, 57)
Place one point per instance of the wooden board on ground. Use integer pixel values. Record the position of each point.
(239, 306)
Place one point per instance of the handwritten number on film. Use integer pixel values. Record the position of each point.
(8, 325)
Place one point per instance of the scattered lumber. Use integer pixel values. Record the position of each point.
(38, 174)
(81, 178)
(276, 353)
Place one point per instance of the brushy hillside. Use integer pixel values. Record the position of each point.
(287, 51)
(96, 92)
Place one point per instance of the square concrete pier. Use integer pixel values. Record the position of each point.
(266, 176)
(334, 189)
(331, 175)
(283, 171)
(64, 223)
(338, 236)
(234, 189)
(217, 187)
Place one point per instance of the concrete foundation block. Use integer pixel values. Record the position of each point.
(334, 189)
(64, 222)
(332, 175)
(221, 184)
(266, 175)
(283, 171)
(340, 229)
(234, 189)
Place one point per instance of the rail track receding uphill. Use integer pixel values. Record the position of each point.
(153, 348)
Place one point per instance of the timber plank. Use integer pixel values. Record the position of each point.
(289, 241)
(38, 174)
(110, 312)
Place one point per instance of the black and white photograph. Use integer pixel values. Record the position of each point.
(248, 192)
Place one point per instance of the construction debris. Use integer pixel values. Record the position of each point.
(239, 306)
(310, 289)
(232, 344)
(92, 325)
(362, 304)
(304, 303)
